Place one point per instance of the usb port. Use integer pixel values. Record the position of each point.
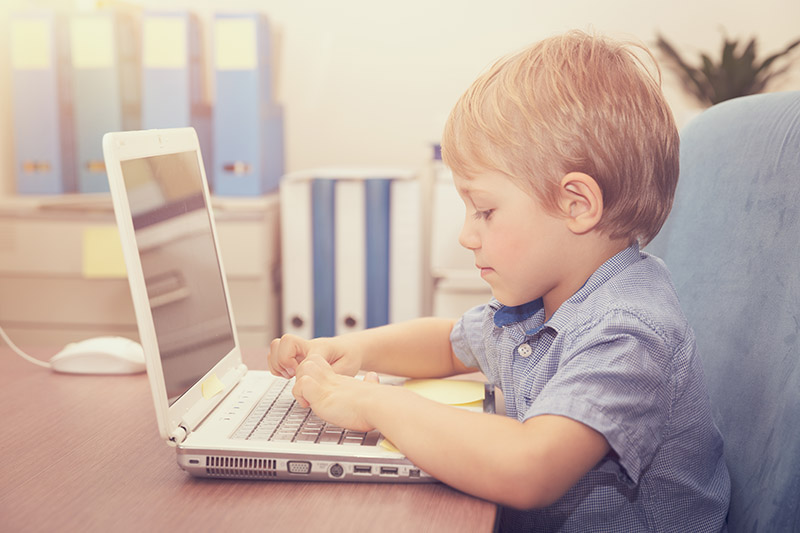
(362, 469)
(389, 470)
(414, 472)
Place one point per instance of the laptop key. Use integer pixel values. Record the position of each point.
(330, 438)
(306, 437)
(372, 438)
(283, 436)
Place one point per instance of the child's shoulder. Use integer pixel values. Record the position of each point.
(639, 293)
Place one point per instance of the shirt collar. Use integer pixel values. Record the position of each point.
(607, 270)
(507, 315)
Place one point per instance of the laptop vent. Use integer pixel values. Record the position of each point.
(243, 467)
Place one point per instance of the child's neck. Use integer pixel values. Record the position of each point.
(585, 259)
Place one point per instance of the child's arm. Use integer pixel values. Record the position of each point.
(418, 348)
(522, 465)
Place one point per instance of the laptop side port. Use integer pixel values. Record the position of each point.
(362, 469)
(389, 471)
(336, 470)
(299, 467)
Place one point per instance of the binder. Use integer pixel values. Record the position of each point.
(248, 123)
(323, 238)
(106, 73)
(351, 255)
(352, 250)
(448, 214)
(457, 284)
(173, 77)
(42, 104)
(297, 257)
(407, 253)
(378, 238)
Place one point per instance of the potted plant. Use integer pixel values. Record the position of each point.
(735, 73)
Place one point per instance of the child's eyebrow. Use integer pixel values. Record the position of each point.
(474, 193)
(469, 188)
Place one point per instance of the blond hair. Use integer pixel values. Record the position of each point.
(574, 103)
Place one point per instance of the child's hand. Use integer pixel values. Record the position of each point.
(335, 398)
(286, 353)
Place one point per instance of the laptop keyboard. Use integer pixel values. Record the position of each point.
(278, 417)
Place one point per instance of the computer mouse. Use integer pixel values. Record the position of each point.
(100, 355)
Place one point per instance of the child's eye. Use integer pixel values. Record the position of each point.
(483, 214)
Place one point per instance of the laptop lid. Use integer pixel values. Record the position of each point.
(178, 285)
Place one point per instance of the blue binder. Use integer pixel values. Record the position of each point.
(323, 249)
(106, 87)
(247, 122)
(378, 238)
(173, 81)
(42, 104)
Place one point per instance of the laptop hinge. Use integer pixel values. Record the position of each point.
(178, 436)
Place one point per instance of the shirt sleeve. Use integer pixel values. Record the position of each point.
(466, 338)
(617, 379)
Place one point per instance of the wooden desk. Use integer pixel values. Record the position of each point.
(82, 453)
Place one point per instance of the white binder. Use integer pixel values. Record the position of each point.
(350, 264)
(298, 261)
(406, 282)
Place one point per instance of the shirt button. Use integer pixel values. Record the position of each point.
(524, 350)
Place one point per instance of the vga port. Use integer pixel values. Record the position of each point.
(299, 467)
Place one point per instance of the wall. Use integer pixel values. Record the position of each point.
(370, 83)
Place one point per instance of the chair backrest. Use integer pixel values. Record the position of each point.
(732, 243)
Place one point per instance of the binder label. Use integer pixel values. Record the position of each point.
(164, 42)
(31, 43)
(92, 40)
(236, 46)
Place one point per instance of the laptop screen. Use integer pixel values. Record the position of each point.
(180, 266)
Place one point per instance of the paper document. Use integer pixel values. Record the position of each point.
(458, 393)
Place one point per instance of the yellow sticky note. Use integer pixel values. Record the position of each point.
(212, 386)
(387, 445)
(460, 393)
(31, 43)
(236, 46)
(92, 40)
(164, 42)
(448, 391)
(102, 253)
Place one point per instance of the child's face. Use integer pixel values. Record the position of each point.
(517, 244)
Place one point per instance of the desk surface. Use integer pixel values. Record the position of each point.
(83, 453)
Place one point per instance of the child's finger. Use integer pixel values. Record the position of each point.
(272, 358)
(291, 350)
(305, 390)
(314, 366)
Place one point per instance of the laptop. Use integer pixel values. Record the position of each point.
(224, 420)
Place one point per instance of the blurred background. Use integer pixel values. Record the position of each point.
(345, 86)
(365, 82)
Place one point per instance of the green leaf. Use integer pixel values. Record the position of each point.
(733, 74)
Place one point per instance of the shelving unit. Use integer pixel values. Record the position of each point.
(50, 296)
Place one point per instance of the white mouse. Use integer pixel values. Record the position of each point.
(100, 355)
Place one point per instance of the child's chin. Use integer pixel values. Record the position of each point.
(509, 300)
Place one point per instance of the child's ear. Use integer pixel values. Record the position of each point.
(580, 201)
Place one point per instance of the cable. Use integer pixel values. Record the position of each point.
(20, 352)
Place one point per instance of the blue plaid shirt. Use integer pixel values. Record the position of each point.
(619, 357)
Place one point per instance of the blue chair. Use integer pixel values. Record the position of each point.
(732, 243)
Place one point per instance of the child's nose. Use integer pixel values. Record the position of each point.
(468, 238)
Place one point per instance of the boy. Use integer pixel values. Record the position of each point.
(566, 157)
